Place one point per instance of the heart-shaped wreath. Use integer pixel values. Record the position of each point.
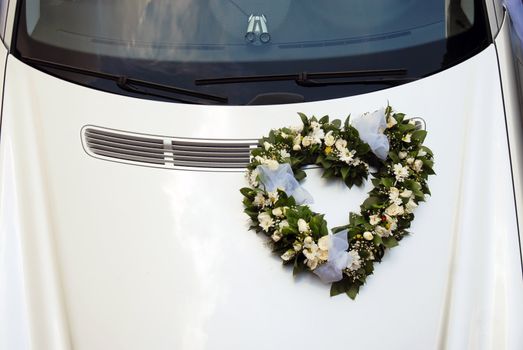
(383, 141)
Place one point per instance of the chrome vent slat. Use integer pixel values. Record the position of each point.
(214, 154)
(124, 136)
(167, 152)
(96, 142)
(90, 135)
(130, 157)
(126, 151)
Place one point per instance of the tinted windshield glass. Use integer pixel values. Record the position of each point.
(177, 42)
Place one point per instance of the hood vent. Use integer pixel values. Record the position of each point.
(166, 152)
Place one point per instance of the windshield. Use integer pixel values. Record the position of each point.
(178, 42)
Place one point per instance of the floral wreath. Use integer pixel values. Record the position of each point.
(383, 141)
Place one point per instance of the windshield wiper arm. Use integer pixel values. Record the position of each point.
(382, 76)
(130, 84)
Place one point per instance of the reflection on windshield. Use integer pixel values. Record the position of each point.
(192, 30)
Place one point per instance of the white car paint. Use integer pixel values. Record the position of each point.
(103, 255)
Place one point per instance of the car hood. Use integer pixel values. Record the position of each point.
(104, 255)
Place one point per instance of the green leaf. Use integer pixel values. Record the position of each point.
(419, 135)
(247, 192)
(339, 228)
(372, 203)
(324, 119)
(340, 287)
(344, 172)
(300, 174)
(389, 242)
(336, 123)
(304, 119)
(299, 266)
(394, 157)
(353, 290)
(346, 124)
(387, 182)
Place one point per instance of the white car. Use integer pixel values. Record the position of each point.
(121, 220)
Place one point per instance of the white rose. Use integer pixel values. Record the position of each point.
(308, 240)
(340, 144)
(402, 155)
(394, 195)
(410, 206)
(368, 235)
(307, 141)
(303, 226)
(374, 219)
(272, 164)
(276, 236)
(391, 121)
(329, 139)
(406, 193)
(324, 242)
(394, 210)
(296, 147)
(382, 231)
(410, 160)
(284, 153)
(418, 164)
(277, 212)
(288, 255)
(283, 223)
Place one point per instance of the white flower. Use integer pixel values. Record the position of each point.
(329, 139)
(288, 255)
(368, 235)
(307, 141)
(283, 223)
(402, 155)
(284, 153)
(406, 138)
(391, 121)
(315, 125)
(355, 261)
(267, 146)
(418, 164)
(401, 172)
(394, 196)
(341, 144)
(410, 160)
(272, 164)
(297, 140)
(422, 153)
(284, 135)
(265, 220)
(273, 196)
(382, 231)
(308, 241)
(410, 206)
(259, 200)
(412, 122)
(296, 147)
(277, 212)
(312, 263)
(296, 129)
(297, 246)
(324, 242)
(317, 135)
(394, 210)
(253, 178)
(347, 156)
(276, 236)
(374, 219)
(303, 226)
(406, 193)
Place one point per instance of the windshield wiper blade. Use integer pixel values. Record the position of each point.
(381, 76)
(130, 84)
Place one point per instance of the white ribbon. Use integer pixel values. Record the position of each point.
(339, 259)
(283, 178)
(370, 126)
